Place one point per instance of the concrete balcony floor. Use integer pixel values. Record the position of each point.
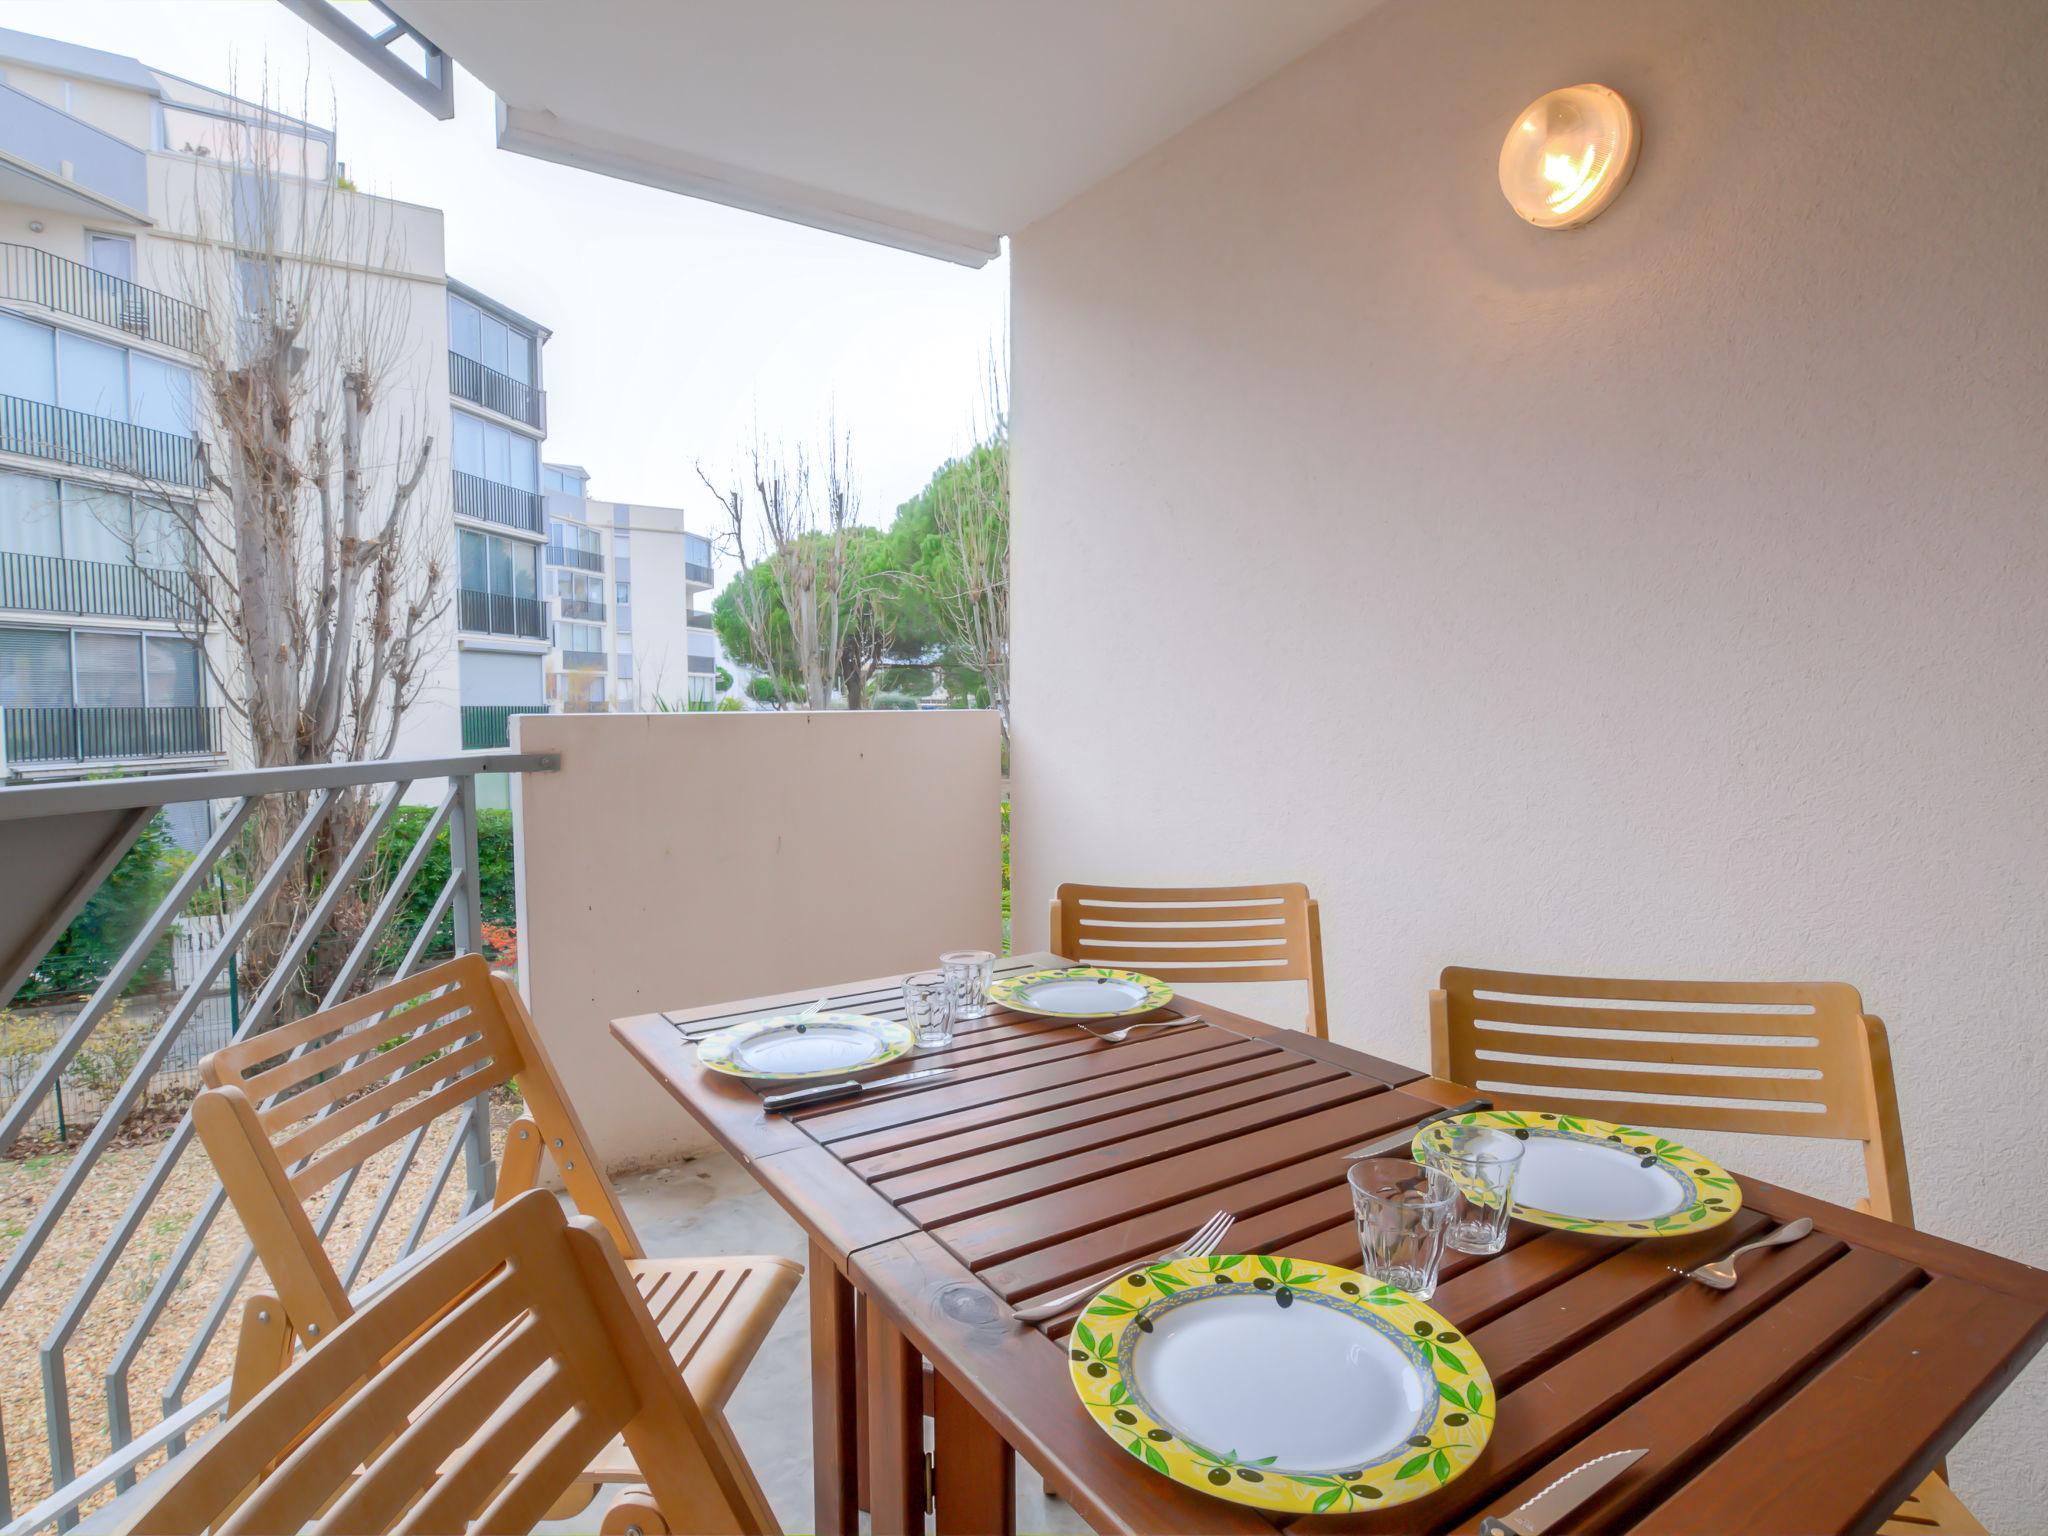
(709, 1205)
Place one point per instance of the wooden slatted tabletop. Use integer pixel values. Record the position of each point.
(1814, 1397)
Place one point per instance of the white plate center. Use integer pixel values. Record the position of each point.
(1595, 1181)
(814, 1048)
(1083, 995)
(1312, 1386)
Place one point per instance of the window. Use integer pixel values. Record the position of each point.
(210, 136)
(564, 481)
(92, 376)
(696, 549)
(111, 254)
(109, 670)
(492, 452)
(580, 637)
(625, 591)
(54, 367)
(35, 668)
(501, 567)
(28, 360)
(163, 394)
(98, 525)
(30, 516)
(173, 671)
(486, 339)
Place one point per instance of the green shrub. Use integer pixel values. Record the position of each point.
(494, 878)
(110, 919)
(894, 701)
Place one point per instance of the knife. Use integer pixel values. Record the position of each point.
(1403, 1137)
(796, 1098)
(1562, 1496)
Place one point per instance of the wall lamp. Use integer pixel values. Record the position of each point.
(1568, 156)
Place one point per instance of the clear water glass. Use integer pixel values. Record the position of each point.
(928, 1008)
(1482, 1162)
(969, 972)
(1404, 1214)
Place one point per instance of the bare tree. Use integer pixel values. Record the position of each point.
(316, 554)
(799, 523)
(969, 584)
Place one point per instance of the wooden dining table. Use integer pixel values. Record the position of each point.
(1813, 1397)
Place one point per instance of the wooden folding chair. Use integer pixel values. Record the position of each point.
(1806, 1057)
(467, 1395)
(289, 1112)
(1232, 933)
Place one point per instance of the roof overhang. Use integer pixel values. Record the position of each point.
(928, 125)
(21, 182)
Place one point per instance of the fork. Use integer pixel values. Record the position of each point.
(1118, 1036)
(1720, 1275)
(1200, 1244)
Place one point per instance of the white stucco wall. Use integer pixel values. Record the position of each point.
(1664, 598)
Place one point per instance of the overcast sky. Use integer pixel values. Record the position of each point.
(676, 323)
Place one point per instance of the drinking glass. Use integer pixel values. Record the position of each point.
(969, 972)
(928, 1008)
(1482, 1162)
(1404, 1214)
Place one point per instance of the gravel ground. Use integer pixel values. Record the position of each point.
(64, 1261)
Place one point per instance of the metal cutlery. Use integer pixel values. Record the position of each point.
(1720, 1275)
(1117, 1036)
(1201, 1243)
(1543, 1512)
(1402, 1138)
(798, 1098)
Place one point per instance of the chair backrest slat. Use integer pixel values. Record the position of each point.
(546, 1341)
(1772, 1058)
(1197, 934)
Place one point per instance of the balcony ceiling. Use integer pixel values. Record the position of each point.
(930, 125)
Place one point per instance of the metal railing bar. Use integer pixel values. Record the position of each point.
(115, 982)
(482, 1173)
(58, 919)
(224, 1299)
(103, 1472)
(25, 801)
(456, 1144)
(56, 1408)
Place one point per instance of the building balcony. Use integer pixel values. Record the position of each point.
(98, 589)
(703, 621)
(582, 609)
(34, 735)
(703, 666)
(65, 436)
(495, 613)
(485, 726)
(583, 661)
(486, 501)
(31, 275)
(575, 559)
(695, 574)
(494, 391)
(57, 161)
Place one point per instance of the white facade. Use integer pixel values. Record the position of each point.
(622, 579)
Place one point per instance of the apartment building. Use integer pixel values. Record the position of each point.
(624, 579)
(106, 660)
(498, 417)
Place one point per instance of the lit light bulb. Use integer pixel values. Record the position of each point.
(1568, 156)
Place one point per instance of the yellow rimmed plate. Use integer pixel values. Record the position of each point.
(1082, 992)
(792, 1046)
(1280, 1383)
(1583, 1175)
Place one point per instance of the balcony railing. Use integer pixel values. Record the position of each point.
(115, 733)
(583, 661)
(486, 725)
(576, 559)
(582, 608)
(99, 442)
(703, 621)
(494, 613)
(506, 505)
(495, 391)
(704, 666)
(700, 574)
(32, 275)
(52, 584)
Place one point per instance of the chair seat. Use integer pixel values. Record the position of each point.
(1932, 1510)
(713, 1315)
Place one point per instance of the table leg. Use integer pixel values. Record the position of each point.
(835, 1451)
(974, 1472)
(895, 1390)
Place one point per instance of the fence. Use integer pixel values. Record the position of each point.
(131, 1280)
(44, 431)
(79, 1097)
